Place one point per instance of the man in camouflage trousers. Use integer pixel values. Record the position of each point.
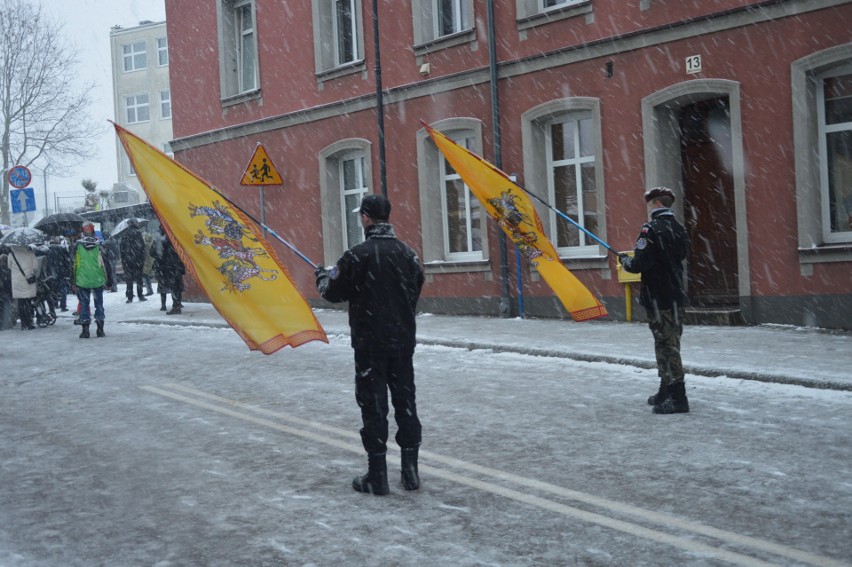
(660, 250)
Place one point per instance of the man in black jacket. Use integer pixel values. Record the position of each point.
(381, 278)
(660, 250)
(132, 252)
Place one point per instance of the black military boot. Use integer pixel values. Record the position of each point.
(676, 402)
(410, 478)
(376, 479)
(84, 334)
(100, 331)
(660, 396)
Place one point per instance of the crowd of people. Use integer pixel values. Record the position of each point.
(36, 279)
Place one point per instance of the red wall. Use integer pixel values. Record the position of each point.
(758, 58)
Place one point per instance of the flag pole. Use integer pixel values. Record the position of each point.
(569, 219)
(265, 227)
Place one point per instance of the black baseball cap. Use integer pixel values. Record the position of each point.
(377, 207)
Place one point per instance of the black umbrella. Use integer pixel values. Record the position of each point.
(24, 236)
(61, 224)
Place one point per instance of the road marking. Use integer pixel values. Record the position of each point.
(662, 518)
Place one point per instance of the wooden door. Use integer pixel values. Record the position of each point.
(709, 210)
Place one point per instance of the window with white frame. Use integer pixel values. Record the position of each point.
(550, 4)
(451, 17)
(438, 19)
(338, 36)
(571, 180)
(531, 13)
(462, 213)
(562, 165)
(345, 32)
(822, 150)
(345, 176)
(353, 187)
(138, 108)
(452, 221)
(238, 42)
(165, 104)
(135, 56)
(162, 51)
(835, 122)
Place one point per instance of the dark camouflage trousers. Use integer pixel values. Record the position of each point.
(667, 328)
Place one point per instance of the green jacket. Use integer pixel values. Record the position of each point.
(89, 269)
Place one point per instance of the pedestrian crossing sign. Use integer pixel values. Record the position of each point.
(260, 170)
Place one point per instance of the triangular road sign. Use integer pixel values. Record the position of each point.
(261, 170)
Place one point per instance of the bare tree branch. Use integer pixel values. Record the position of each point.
(44, 115)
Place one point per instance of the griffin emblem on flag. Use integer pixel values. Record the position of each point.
(226, 239)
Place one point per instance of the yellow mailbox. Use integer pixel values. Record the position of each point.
(627, 278)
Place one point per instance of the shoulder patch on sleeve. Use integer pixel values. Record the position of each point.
(641, 244)
(646, 228)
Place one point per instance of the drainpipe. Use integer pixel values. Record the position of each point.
(505, 304)
(380, 102)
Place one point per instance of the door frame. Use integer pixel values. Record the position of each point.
(661, 140)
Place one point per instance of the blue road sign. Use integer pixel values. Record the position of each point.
(23, 200)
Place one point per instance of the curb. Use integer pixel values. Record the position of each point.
(551, 353)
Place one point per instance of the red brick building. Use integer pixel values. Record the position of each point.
(744, 108)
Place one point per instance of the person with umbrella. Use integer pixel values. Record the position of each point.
(25, 269)
(90, 275)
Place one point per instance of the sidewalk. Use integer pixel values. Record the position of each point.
(771, 353)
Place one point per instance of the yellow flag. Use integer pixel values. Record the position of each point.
(229, 257)
(510, 206)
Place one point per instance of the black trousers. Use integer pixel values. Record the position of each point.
(374, 376)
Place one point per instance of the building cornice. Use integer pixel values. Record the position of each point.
(769, 10)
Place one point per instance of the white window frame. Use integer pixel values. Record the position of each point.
(538, 172)
(134, 58)
(532, 13)
(327, 39)
(334, 209)
(840, 236)
(428, 35)
(558, 4)
(431, 174)
(460, 17)
(576, 162)
(162, 51)
(470, 203)
(135, 104)
(348, 219)
(804, 73)
(238, 47)
(246, 46)
(338, 32)
(166, 104)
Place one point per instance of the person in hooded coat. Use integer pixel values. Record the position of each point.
(90, 275)
(169, 271)
(132, 253)
(25, 268)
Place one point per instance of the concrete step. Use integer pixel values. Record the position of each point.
(720, 316)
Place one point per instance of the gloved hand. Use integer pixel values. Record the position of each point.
(321, 273)
(624, 259)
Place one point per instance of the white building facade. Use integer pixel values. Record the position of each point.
(141, 98)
